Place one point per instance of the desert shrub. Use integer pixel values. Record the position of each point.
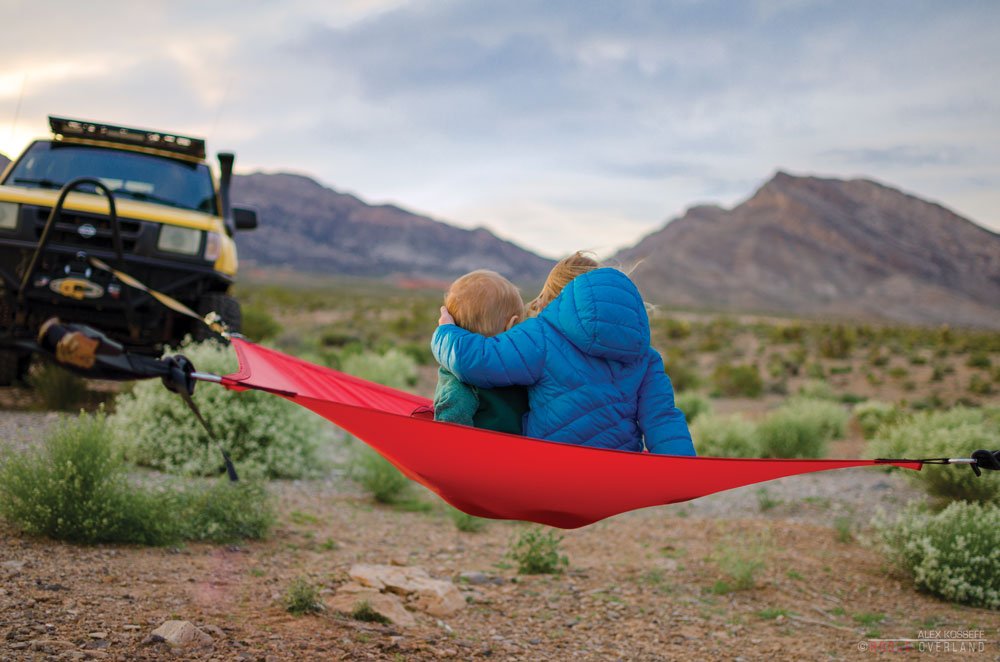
(264, 434)
(740, 562)
(223, 511)
(980, 385)
(738, 380)
(466, 522)
(395, 368)
(363, 611)
(800, 428)
(836, 342)
(536, 552)
(724, 436)
(693, 405)
(302, 597)
(682, 371)
(258, 324)
(873, 414)
(953, 554)
(420, 352)
(74, 487)
(787, 333)
(953, 433)
(57, 388)
(978, 360)
(817, 389)
(378, 476)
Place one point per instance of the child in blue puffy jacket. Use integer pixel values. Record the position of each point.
(593, 378)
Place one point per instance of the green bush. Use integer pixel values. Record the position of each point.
(953, 433)
(741, 562)
(800, 428)
(693, 405)
(873, 414)
(301, 598)
(836, 342)
(536, 552)
(953, 554)
(58, 388)
(817, 389)
(724, 436)
(264, 434)
(979, 360)
(394, 368)
(74, 487)
(738, 380)
(258, 324)
(683, 372)
(379, 477)
(224, 511)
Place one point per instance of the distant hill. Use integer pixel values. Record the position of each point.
(309, 227)
(814, 247)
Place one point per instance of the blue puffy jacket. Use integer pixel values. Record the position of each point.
(592, 377)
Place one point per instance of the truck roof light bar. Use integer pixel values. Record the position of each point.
(167, 142)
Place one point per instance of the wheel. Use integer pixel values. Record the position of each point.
(13, 365)
(227, 308)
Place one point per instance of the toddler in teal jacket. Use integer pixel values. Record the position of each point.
(482, 302)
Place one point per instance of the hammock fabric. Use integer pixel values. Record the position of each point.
(503, 476)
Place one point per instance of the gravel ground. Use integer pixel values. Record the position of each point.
(640, 586)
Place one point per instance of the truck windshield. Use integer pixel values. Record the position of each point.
(145, 177)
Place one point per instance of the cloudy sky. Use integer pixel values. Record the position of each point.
(559, 124)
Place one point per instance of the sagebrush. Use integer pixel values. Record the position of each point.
(724, 436)
(75, 487)
(953, 554)
(536, 552)
(265, 435)
(800, 428)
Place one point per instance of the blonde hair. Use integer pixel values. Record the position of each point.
(565, 270)
(484, 302)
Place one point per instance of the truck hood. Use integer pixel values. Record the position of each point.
(98, 204)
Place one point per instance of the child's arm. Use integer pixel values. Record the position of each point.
(661, 422)
(454, 402)
(508, 359)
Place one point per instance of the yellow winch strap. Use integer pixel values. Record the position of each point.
(212, 320)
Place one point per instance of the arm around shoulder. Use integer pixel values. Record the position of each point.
(662, 423)
(513, 358)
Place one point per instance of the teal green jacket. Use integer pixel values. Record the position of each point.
(501, 409)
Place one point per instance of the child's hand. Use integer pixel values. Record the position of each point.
(446, 317)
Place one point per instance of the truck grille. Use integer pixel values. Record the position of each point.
(98, 236)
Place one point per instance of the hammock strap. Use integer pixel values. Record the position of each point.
(979, 460)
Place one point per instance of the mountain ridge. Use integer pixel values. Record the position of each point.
(818, 246)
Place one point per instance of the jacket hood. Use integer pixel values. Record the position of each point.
(602, 313)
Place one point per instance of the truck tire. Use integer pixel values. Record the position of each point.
(228, 309)
(13, 365)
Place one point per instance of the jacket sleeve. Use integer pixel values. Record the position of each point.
(508, 359)
(454, 402)
(661, 422)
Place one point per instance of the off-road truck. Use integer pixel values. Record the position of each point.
(174, 233)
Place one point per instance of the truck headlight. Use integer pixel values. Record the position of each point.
(8, 215)
(175, 239)
(213, 245)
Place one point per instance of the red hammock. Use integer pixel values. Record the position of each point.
(497, 475)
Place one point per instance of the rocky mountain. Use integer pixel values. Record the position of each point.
(308, 227)
(826, 247)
